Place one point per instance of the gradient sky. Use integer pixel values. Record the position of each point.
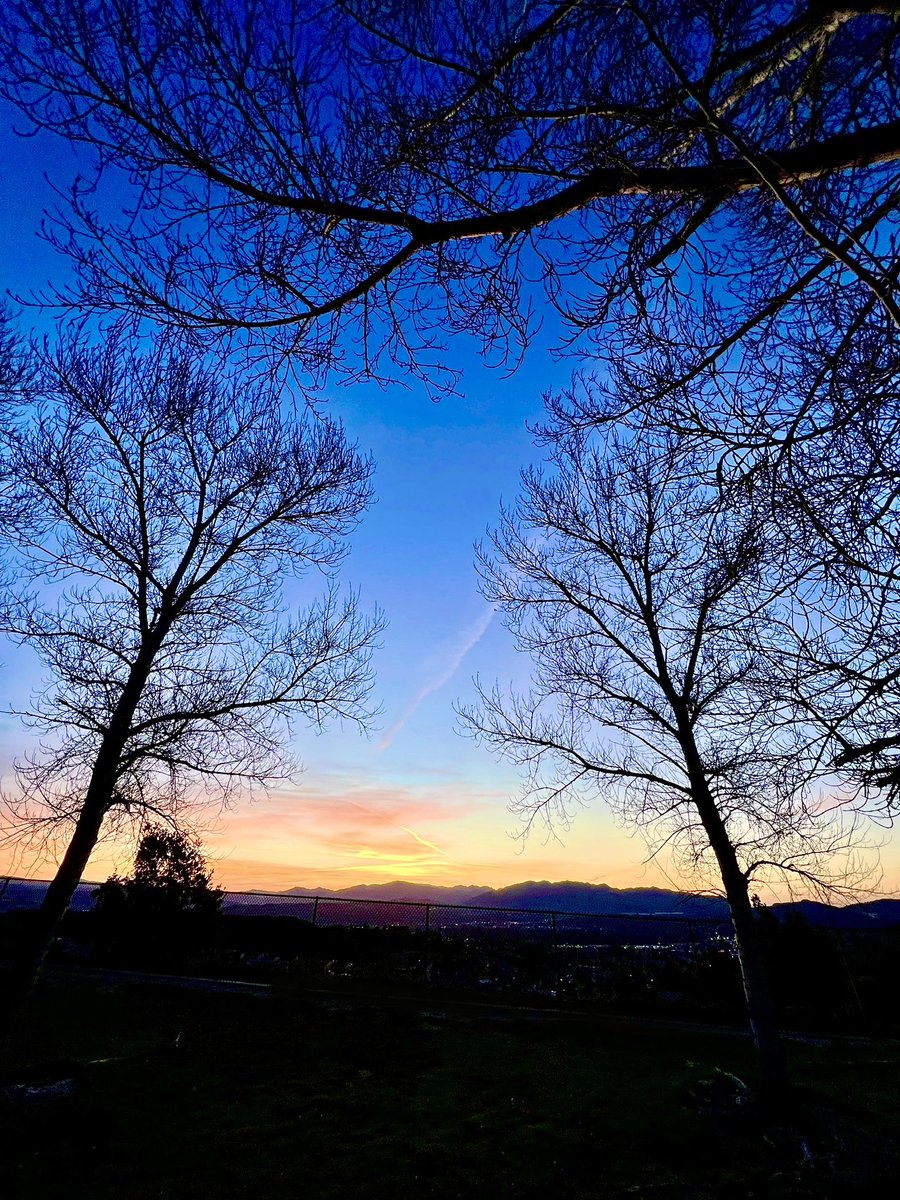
(414, 800)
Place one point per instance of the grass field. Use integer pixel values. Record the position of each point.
(191, 1094)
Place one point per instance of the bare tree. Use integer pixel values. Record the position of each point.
(844, 677)
(708, 193)
(397, 170)
(16, 364)
(651, 612)
(154, 511)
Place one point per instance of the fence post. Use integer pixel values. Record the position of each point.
(315, 910)
(427, 943)
(555, 952)
(692, 940)
(838, 942)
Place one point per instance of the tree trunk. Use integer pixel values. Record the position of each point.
(53, 909)
(97, 801)
(758, 994)
(773, 1077)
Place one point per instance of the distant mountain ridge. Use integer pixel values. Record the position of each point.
(602, 898)
(566, 896)
(431, 893)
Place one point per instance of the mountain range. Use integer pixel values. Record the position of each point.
(563, 897)
(602, 899)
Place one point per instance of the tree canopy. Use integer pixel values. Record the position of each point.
(659, 622)
(170, 878)
(352, 179)
(153, 510)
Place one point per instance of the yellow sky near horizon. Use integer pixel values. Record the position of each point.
(333, 832)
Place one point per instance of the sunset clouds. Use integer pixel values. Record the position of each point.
(349, 830)
(334, 831)
(337, 829)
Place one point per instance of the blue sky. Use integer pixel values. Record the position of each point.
(415, 800)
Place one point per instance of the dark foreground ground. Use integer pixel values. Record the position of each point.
(191, 1094)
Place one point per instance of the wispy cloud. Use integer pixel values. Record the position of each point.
(345, 826)
(468, 640)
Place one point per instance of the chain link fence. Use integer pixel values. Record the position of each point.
(648, 962)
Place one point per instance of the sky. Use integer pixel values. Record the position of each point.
(415, 799)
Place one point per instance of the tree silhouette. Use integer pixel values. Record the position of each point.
(651, 611)
(161, 505)
(396, 171)
(170, 877)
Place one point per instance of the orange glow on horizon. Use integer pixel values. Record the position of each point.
(334, 833)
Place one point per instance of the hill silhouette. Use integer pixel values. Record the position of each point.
(565, 896)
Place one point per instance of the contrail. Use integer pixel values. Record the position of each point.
(469, 639)
(422, 841)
